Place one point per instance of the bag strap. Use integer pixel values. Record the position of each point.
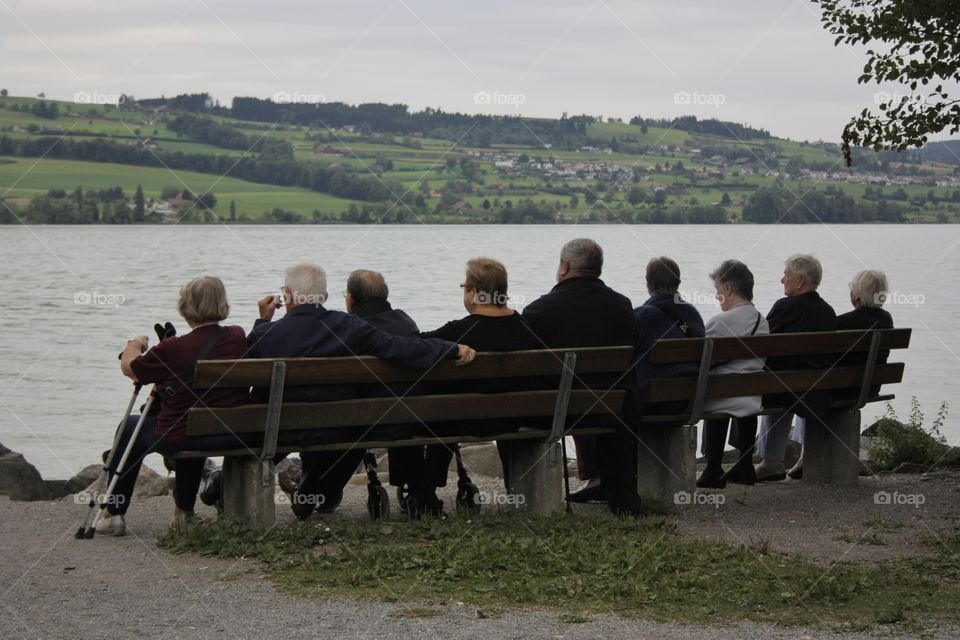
(187, 373)
(673, 315)
(756, 325)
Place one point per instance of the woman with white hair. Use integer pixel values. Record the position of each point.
(168, 366)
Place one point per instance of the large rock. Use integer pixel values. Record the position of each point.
(19, 479)
(149, 484)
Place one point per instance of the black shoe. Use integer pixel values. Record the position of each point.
(425, 504)
(626, 507)
(741, 474)
(587, 494)
(711, 479)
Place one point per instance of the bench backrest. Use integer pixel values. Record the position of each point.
(590, 398)
(706, 351)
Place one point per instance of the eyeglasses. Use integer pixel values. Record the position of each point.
(465, 286)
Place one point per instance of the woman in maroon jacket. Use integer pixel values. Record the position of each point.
(203, 304)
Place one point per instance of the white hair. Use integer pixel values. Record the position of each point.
(870, 287)
(307, 283)
(801, 264)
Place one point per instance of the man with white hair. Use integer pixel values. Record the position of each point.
(308, 329)
(800, 310)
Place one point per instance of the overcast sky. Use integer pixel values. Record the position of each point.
(766, 63)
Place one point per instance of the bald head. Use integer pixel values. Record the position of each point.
(365, 286)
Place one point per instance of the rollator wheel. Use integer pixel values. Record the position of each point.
(467, 501)
(378, 503)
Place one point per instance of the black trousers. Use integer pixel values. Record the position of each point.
(743, 435)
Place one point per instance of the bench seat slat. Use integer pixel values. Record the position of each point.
(202, 421)
(752, 384)
(677, 350)
(681, 418)
(255, 372)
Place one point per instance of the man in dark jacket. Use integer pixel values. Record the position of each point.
(581, 311)
(800, 310)
(310, 330)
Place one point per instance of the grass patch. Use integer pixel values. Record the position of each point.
(581, 566)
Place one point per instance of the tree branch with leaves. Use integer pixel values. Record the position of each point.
(910, 42)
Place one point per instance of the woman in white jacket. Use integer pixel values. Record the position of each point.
(734, 285)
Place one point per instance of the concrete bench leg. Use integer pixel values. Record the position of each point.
(833, 455)
(536, 474)
(666, 461)
(245, 495)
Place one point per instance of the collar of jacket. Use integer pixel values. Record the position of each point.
(372, 308)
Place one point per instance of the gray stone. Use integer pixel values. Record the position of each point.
(19, 479)
(911, 467)
(149, 484)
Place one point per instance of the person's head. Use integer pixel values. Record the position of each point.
(868, 289)
(663, 275)
(485, 284)
(203, 300)
(365, 286)
(733, 281)
(801, 274)
(580, 257)
(305, 283)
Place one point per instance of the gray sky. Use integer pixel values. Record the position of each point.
(766, 63)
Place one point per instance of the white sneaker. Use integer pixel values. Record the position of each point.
(112, 525)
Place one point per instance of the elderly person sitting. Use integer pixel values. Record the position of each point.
(203, 304)
(733, 282)
(868, 291)
(802, 309)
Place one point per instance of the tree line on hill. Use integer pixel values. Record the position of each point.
(771, 205)
(264, 169)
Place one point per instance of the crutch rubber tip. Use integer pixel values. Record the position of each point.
(88, 534)
(79, 534)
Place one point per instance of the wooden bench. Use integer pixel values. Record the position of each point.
(667, 455)
(536, 464)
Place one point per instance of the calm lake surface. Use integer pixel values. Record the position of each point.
(72, 297)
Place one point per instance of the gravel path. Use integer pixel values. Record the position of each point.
(54, 586)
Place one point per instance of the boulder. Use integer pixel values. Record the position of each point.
(149, 484)
(19, 479)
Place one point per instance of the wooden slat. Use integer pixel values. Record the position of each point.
(531, 434)
(779, 344)
(682, 418)
(413, 409)
(367, 369)
(752, 384)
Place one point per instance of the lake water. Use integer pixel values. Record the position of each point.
(72, 296)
